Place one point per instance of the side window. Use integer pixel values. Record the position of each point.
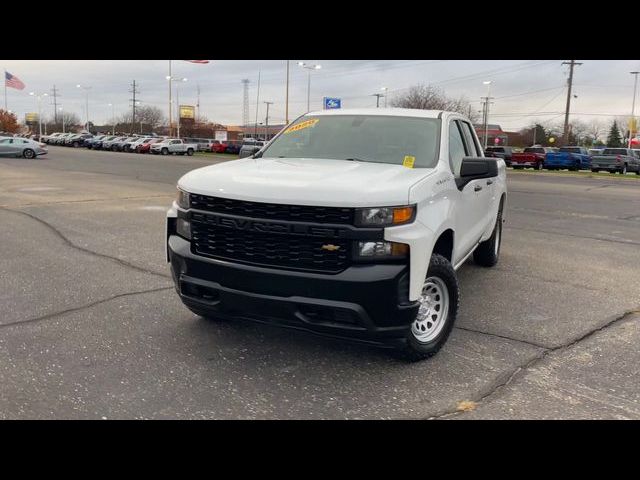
(456, 148)
(472, 145)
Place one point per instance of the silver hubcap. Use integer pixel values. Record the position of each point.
(433, 311)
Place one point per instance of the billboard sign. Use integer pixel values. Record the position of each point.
(31, 118)
(188, 111)
(331, 103)
(221, 135)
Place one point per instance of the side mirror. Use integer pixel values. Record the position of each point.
(475, 168)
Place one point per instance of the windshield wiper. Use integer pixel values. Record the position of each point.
(355, 159)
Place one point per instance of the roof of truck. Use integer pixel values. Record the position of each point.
(395, 112)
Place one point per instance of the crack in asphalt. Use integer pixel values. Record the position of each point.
(57, 232)
(533, 344)
(625, 242)
(48, 316)
(504, 380)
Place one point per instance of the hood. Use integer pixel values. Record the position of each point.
(306, 181)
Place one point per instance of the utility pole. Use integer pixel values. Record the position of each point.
(486, 112)
(134, 91)
(377, 95)
(286, 102)
(633, 109)
(255, 132)
(197, 103)
(54, 93)
(266, 122)
(245, 102)
(565, 134)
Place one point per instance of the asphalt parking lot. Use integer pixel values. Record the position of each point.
(91, 328)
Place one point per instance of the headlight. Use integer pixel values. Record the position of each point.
(182, 199)
(381, 250)
(385, 216)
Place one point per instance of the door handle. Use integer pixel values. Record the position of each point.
(477, 188)
(489, 182)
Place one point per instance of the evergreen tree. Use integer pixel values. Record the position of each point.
(614, 139)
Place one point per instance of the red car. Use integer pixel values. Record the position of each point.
(145, 147)
(219, 147)
(532, 157)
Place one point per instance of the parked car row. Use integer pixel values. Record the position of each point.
(613, 160)
(142, 143)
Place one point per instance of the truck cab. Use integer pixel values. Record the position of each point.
(349, 223)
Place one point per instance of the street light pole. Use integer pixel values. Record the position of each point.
(309, 68)
(86, 90)
(633, 107)
(62, 117)
(384, 89)
(113, 118)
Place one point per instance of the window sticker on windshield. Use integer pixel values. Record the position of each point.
(302, 125)
(408, 161)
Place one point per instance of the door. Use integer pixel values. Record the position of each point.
(8, 147)
(473, 202)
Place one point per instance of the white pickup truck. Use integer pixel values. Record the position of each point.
(174, 145)
(350, 223)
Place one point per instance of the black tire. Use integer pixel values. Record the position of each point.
(190, 152)
(75, 144)
(517, 167)
(28, 153)
(164, 151)
(488, 252)
(539, 166)
(114, 148)
(414, 350)
(595, 170)
(624, 170)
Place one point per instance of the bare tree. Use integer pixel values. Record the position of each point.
(596, 128)
(428, 97)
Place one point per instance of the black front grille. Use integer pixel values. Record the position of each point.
(273, 211)
(268, 249)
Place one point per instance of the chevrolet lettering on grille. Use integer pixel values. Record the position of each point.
(262, 226)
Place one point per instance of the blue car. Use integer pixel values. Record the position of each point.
(571, 158)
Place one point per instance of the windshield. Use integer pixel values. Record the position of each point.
(570, 149)
(534, 150)
(367, 138)
(614, 151)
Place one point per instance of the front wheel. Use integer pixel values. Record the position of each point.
(164, 151)
(595, 170)
(624, 170)
(28, 153)
(437, 313)
(190, 152)
(539, 166)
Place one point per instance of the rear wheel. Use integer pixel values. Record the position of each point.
(539, 166)
(28, 153)
(164, 151)
(595, 170)
(624, 170)
(437, 313)
(75, 144)
(488, 252)
(190, 152)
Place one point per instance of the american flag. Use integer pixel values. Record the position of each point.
(13, 81)
(197, 61)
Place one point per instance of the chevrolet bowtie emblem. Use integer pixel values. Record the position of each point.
(330, 247)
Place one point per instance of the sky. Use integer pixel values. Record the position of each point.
(524, 91)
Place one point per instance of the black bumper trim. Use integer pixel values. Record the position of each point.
(362, 302)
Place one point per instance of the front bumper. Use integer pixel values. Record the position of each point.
(364, 302)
